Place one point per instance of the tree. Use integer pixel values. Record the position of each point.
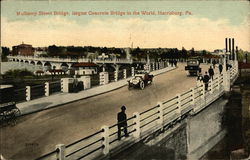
(184, 53)
(192, 53)
(5, 53)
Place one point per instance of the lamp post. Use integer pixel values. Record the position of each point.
(103, 56)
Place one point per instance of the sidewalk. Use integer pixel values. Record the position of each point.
(55, 100)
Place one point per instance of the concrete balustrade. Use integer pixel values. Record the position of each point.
(86, 81)
(105, 136)
(191, 101)
(178, 103)
(116, 75)
(192, 96)
(104, 78)
(46, 89)
(61, 152)
(136, 127)
(65, 84)
(160, 114)
(124, 73)
(133, 71)
(203, 91)
(28, 93)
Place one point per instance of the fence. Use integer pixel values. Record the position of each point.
(143, 124)
(37, 91)
(54, 87)
(20, 95)
(120, 75)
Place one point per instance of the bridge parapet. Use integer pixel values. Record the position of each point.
(141, 125)
(72, 60)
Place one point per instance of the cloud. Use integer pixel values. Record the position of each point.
(172, 32)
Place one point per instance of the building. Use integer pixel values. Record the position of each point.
(23, 50)
(85, 68)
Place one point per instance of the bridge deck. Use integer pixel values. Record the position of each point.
(38, 133)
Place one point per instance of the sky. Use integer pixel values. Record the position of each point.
(201, 24)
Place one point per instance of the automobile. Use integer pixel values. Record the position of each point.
(193, 67)
(140, 80)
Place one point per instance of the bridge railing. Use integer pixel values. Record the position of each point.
(81, 59)
(143, 124)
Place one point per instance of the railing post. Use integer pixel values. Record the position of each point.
(179, 103)
(226, 80)
(218, 81)
(62, 85)
(153, 66)
(203, 91)
(133, 71)
(61, 152)
(137, 125)
(28, 93)
(212, 86)
(160, 114)
(46, 88)
(192, 96)
(105, 136)
(124, 73)
(116, 75)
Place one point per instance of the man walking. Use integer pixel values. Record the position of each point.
(122, 122)
(211, 72)
(220, 68)
(206, 80)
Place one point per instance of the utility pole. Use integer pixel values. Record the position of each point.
(1, 51)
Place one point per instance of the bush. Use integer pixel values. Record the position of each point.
(18, 73)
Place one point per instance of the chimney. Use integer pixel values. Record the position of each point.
(232, 55)
(236, 53)
(226, 44)
(230, 48)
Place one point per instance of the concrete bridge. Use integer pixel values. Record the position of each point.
(155, 121)
(59, 63)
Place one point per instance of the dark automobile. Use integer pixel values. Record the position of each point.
(193, 67)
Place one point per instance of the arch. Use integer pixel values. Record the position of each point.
(13, 59)
(17, 60)
(32, 62)
(21, 60)
(39, 63)
(64, 66)
(47, 64)
(26, 61)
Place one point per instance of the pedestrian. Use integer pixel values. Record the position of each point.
(211, 72)
(175, 63)
(75, 84)
(220, 68)
(122, 122)
(171, 62)
(199, 78)
(214, 62)
(206, 80)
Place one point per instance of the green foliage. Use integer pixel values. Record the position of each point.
(5, 53)
(242, 55)
(18, 73)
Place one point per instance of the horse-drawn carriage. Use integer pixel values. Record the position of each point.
(8, 109)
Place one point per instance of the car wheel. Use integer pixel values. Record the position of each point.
(142, 85)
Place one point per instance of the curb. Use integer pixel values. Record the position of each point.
(57, 105)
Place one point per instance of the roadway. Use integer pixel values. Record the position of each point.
(39, 133)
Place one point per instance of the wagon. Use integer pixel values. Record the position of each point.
(8, 109)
